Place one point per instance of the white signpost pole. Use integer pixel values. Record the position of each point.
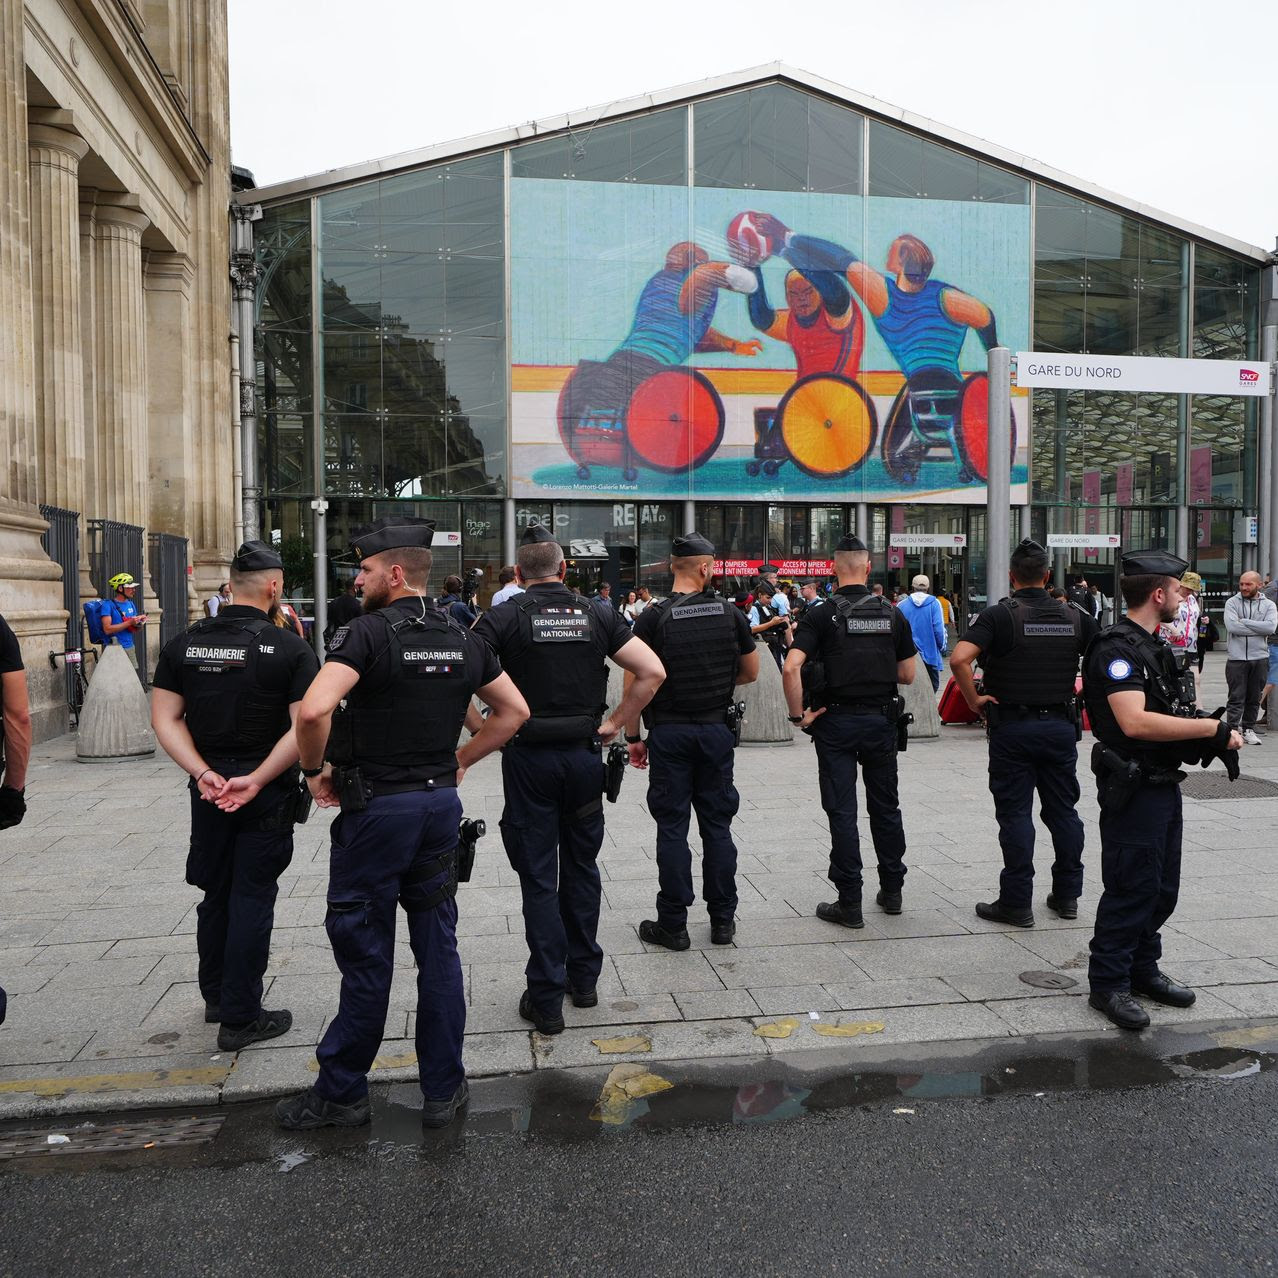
(998, 491)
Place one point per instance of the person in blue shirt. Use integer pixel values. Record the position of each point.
(923, 611)
(123, 620)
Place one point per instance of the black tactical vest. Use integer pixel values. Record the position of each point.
(696, 639)
(1167, 691)
(1040, 667)
(559, 668)
(859, 651)
(412, 724)
(228, 712)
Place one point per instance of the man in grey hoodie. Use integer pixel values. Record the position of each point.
(1251, 621)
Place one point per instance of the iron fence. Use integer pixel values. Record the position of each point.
(167, 556)
(61, 543)
(115, 547)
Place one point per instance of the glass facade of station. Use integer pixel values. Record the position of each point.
(394, 319)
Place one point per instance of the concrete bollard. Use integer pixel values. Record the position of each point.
(920, 701)
(767, 721)
(115, 722)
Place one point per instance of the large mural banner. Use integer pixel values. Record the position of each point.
(724, 344)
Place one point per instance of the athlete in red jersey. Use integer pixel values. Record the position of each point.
(821, 323)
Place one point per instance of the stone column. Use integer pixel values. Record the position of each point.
(30, 583)
(121, 406)
(168, 278)
(55, 154)
(89, 347)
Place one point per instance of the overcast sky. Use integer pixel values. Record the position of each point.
(1171, 102)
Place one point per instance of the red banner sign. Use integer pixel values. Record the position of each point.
(788, 568)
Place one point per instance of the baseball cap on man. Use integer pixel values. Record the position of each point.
(920, 582)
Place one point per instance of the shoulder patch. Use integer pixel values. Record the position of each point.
(339, 638)
(1118, 669)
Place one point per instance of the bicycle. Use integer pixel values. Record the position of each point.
(77, 679)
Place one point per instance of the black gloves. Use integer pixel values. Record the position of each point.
(13, 806)
(1218, 748)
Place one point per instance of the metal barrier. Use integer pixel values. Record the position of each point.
(116, 547)
(62, 544)
(166, 554)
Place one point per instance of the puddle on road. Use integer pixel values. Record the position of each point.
(600, 1103)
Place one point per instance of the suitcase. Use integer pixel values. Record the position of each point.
(1078, 688)
(953, 708)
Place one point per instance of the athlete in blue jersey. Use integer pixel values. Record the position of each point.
(674, 312)
(922, 321)
(672, 319)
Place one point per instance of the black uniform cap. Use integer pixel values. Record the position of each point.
(768, 568)
(390, 534)
(1030, 546)
(535, 533)
(1154, 563)
(850, 541)
(255, 556)
(691, 543)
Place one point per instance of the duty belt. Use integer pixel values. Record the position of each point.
(860, 707)
(1058, 711)
(657, 717)
(378, 788)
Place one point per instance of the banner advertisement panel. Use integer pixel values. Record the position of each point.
(715, 344)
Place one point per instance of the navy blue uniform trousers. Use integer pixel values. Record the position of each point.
(1028, 755)
(552, 828)
(372, 853)
(237, 865)
(690, 766)
(843, 741)
(1140, 868)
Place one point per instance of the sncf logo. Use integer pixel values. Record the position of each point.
(1248, 377)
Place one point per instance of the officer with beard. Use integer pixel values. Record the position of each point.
(552, 643)
(1143, 717)
(707, 649)
(403, 674)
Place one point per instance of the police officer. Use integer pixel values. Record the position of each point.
(1029, 646)
(707, 649)
(860, 648)
(406, 672)
(552, 642)
(225, 695)
(1143, 717)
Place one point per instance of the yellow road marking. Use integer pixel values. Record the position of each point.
(777, 1029)
(847, 1029)
(207, 1075)
(1246, 1036)
(626, 1043)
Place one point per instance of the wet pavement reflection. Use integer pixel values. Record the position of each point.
(601, 1103)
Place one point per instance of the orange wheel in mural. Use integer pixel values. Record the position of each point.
(973, 434)
(828, 424)
(674, 421)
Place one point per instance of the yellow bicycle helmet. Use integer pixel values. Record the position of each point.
(120, 580)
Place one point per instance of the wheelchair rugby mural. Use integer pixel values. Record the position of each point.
(724, 344)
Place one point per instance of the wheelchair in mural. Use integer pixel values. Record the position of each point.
(825, 425)
(938, 417)
(628, 413)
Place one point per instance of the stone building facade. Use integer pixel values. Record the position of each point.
(115, 392)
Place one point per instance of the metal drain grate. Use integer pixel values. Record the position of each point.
(1216, 785)
(113, 1138)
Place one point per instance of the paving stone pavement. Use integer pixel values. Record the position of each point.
(97, 945)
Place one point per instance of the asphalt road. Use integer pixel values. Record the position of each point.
(1145, 1167)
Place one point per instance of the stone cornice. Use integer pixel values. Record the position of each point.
(132, 60)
